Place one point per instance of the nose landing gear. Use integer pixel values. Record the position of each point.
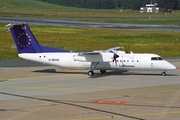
(163, 73)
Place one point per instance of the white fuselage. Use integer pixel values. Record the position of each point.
(125, 62)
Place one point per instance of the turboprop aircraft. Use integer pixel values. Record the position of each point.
(110, 59)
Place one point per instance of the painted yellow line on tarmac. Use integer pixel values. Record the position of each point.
(37, 77)
(138, 115)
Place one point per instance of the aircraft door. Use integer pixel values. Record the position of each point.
(138, 63)
(120, 62)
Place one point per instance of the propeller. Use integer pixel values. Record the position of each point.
(115, 56)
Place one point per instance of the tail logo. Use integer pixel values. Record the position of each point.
(23, 40)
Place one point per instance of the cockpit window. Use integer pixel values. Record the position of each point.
(160, 58)
(156, 58)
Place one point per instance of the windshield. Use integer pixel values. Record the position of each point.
(156, 58)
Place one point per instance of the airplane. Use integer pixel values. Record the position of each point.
(111, 59)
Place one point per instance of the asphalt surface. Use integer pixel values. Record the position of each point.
(65, 22)
(47, 92)
(19, 63)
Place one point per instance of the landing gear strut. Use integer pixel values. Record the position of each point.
(92, 68)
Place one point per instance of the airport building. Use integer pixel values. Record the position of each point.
(149, 8)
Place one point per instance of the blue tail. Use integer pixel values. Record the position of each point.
(26, 42)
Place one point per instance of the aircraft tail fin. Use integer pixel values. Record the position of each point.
(24, 39)
(26, 42)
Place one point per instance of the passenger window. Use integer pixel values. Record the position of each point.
(137, 60)
(124, 60)
(132, 60)
(127, 60)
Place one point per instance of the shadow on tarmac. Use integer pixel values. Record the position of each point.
(98, 75)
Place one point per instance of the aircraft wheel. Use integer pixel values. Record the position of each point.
(163, 73)
(103, 71)
(90, 73)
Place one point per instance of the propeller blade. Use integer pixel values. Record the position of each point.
(114, 58)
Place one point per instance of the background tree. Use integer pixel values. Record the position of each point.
(112, 4)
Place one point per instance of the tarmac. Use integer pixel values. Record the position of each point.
(47, 92)
(69, 23)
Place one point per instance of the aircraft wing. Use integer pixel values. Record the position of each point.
(97, 56)
(89, 53)
(94, 57)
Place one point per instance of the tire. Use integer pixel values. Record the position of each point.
(163, 73)
(103, 71)
(90, 73)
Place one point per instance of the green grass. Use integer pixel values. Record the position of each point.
(90, 39)
(30, 4)
(33, 8)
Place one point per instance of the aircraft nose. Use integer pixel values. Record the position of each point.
(171, 66)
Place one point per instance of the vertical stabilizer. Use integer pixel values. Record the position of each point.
(24, 39)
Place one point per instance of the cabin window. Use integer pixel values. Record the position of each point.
(156, 58)
(120, 60)
(132, 60)
(127, 60)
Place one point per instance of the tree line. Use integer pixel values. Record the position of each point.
(116, 4)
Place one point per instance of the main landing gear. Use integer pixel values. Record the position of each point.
(91, 73)
(103, 71)
(92, 68)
